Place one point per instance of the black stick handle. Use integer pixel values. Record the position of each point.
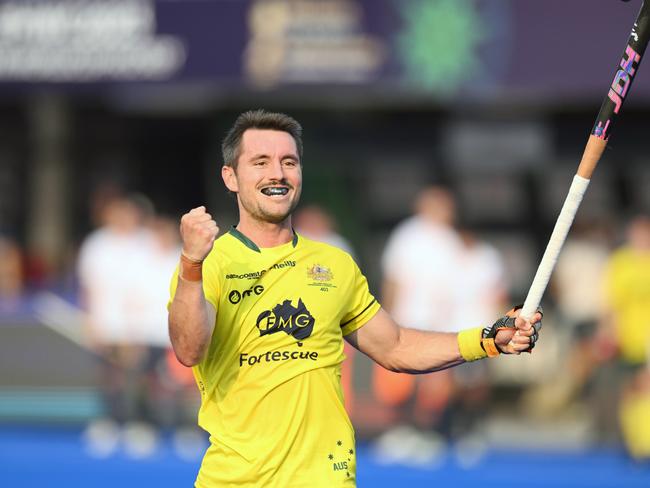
(624, 76)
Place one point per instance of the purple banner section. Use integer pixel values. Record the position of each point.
(551, 50)
(570, 48)
(214, 32)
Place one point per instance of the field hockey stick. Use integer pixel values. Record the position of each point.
(596, 144)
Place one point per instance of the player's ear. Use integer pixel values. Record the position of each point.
(229, 178)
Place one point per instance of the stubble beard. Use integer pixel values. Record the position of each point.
(259, 213)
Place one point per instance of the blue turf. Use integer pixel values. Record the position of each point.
(54, 457)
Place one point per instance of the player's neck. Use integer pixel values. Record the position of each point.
(266, 234)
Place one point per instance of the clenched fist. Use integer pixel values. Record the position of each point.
(198, 232)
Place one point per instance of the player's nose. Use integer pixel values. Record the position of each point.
(275, 170)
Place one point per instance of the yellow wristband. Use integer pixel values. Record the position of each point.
(469, 343)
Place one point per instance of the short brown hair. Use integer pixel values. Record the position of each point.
(258, 119)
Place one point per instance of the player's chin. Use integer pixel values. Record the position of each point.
(281, 211)
(278, 214)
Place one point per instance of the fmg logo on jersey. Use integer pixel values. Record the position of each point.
(284, 317)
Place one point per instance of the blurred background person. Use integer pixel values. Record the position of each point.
(449, 279)
(110, 265)
(627, 320)
(420, 287)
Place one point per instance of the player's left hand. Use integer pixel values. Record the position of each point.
(513, 334)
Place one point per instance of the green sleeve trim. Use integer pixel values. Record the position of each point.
(358, 315)
(361, 319)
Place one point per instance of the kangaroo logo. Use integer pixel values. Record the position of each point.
(284, 317)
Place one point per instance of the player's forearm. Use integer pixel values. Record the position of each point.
(419, 351)
(191, 316)
(191, 322)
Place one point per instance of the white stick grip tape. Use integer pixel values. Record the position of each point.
(555, 243)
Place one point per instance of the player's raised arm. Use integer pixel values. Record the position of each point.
(405, 350)
(191, 316)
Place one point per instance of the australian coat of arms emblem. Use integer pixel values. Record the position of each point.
(320, 273)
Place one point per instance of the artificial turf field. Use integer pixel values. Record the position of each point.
(54, 457)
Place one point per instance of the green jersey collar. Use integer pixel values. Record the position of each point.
(250, 244)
